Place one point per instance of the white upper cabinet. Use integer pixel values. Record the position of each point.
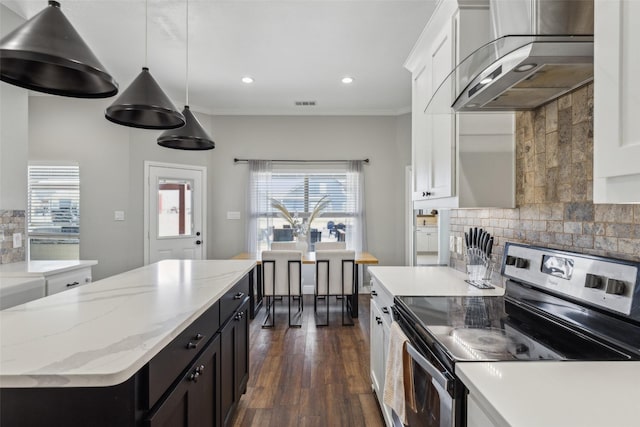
(616, 128)
(454, 155)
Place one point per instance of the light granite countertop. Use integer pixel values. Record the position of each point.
(427, 281)
(102, 333)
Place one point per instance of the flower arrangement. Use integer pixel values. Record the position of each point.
(299, 225)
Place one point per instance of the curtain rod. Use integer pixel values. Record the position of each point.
(236, 160)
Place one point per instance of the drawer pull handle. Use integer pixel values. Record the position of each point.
(72, 284)
(198, 337)
(239, 295)
(195, 375)
(191, 345)
(374, 293)
(385, 310)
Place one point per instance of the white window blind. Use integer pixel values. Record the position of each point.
(299, 192)
(53, 199)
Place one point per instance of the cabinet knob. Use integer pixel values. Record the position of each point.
(194, 376)
(198, 242)
(191, 345)
(239, 316)
(427, 193)
(379, 320)
(239, 295)
(200, 369)
(385, 310)
(198, 337)
(374, 293)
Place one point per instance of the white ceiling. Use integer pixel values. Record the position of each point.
(296, 50)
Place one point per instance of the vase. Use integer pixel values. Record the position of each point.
(301, 244)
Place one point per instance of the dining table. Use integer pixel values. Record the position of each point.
(361, 259)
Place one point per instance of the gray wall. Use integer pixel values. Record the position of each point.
(111, 165)
(13, 133)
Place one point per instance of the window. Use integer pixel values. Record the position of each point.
(299, 192)
(53, 212)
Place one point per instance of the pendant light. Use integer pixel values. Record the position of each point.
(46, 54)
(192, 135)
(143, 104)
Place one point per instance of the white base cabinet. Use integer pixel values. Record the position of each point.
(64, 281)
(380, 324)
(426, 239)
(616, 129)
(58, 276)
(476, 416)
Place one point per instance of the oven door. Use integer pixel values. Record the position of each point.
(429, 405)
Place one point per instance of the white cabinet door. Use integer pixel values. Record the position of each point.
(421, 94)
(616, 132)
(376, 350)
(440, 117)
(432, 243)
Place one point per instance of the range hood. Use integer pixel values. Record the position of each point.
(551, 54)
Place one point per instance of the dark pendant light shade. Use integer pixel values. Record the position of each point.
(144, 105)
(189, 137)
(46, 54)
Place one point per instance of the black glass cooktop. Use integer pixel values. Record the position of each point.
(475, 328)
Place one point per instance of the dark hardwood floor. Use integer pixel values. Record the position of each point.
(309, 376)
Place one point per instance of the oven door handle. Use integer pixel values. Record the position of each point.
(438, 376)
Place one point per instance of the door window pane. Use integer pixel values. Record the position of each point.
(174, 207)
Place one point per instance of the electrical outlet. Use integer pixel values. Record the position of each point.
(118, 215)
(17, 240)
(459, 245)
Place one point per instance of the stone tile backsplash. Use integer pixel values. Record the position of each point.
(12, 221)
(554, 180)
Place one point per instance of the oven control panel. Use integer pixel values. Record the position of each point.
(604, 282)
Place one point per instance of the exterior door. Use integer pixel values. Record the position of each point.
(175, 207)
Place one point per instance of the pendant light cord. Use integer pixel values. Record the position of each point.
(146, 32)
(187, 66)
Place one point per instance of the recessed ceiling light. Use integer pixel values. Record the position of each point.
(347, 80)
(247, 80)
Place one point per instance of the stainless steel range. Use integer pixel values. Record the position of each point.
(558, 305)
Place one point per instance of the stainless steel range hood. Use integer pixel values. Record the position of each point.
(551, 54)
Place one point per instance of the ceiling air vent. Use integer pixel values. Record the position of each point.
(305, 103)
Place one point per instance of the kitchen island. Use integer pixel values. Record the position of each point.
(121, 350)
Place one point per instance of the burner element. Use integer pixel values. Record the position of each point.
(483, 340)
